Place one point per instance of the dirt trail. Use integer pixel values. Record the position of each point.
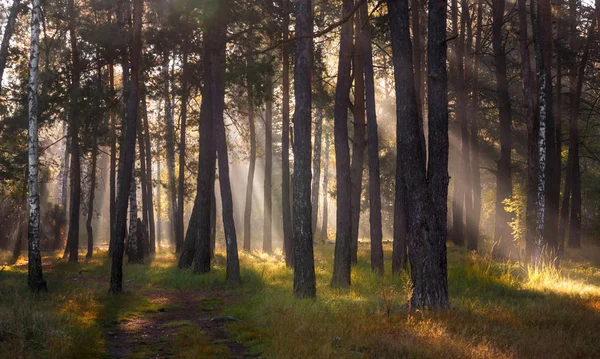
(151, 335)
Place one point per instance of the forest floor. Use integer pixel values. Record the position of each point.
(499, 310)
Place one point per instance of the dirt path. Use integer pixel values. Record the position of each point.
(153, 334)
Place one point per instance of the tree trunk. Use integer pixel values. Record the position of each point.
(132, 239)
(358, 143)
(128, 151)
(304, 266)
(186, 257)
(268, 211)
(158, 198)
(8, 32)
(251, 168)
(324, 228)
(73, 238)
(532, 130)
(182, 139)
(502, 232)
(474, 221)
(35, 278)
(316, 170)
(170, 147)
(150, 186)
(143, 173)
(90, 209)
(373, 146)
(218, 62)
(288, 237)
(343, 240)
(415, 8)
(113, 164)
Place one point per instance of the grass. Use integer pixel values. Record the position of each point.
(498, 309)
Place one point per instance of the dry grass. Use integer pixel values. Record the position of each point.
(498, 310)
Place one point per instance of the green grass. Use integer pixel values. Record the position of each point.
(498, 309)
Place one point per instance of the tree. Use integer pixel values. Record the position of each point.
(73, 238)
(358, 143)
(324, 229)
(288, 237)
(268, 200)
(425, 182)
(304, 267)
(181, 177)
(343, 240)
(8, 32)
(251, 168)
(128, 151)
(502, 231)
(35, 278)
(373, 146)
(90, 208)
(316, 170)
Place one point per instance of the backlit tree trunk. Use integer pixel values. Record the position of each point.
(343, 240)
(325, 193)
(90, 209)
(304, 267)
(251, 169)
(182, 139)
(358, 143)
(35, 278)
(128, 151)
(267, 231)
(373, 146)
(286, 206)
(150, 186)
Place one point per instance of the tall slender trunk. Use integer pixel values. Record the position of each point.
(73, 238)
(90, 209)
(113, 163)
(128, 151)
(158, 198)
(182, 139)
(268, 200)
(575, 222)
(373, 146)
(143, 173)
(8, 32)
(286, 210)
(218, 63)
(540, 14)
(532, 129)
(170, 147)
(149, 183)
(132, 239)
(35, 278)
(415, 8)
(343, 240)
(324, 228)
(474, 221)
(304, 266)
(251, 168)
(502, 233)
(358, 143)
(316, 170)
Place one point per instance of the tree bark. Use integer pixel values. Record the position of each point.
(343, 240)
(35, 278)
(132, 239)
(288, 237)
(251, 169)
(532, 130)
(90, 209)
(316, 170)
(146, 204)
(304, 266)
(502, 232)
(150, 186)
(268, 211)
(324, 228)
(73, 237)
(8, 32)
(113, 164)
(373, 146)
(128, 151)
(182, 151)
(358, 143)
(170, 147)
